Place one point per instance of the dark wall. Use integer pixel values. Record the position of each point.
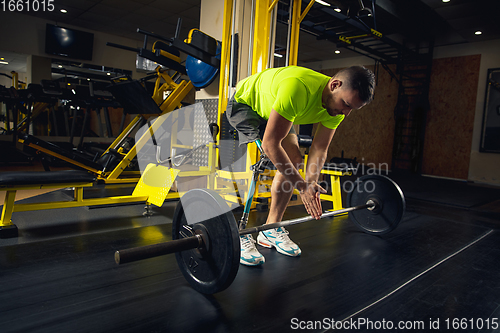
(368, 133)
(450, 121)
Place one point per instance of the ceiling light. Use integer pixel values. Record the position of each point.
(323, 3)
(337, 9)
(3, 62)
(108, 73)
(478, 32)
(364, 12)
(446, 0)
(337, 51)
(64, 11)
(278, 55)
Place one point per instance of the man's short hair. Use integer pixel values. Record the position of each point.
(360, 79)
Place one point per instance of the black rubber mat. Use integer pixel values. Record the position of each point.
(71, 283)
(459, 295)
(69, 222)
(446, 191)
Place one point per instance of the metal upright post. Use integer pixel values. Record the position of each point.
(289, 33)
(224, 62)
(297, 18)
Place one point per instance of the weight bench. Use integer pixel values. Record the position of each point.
(99, 165)
(335, 172)
(11, 182)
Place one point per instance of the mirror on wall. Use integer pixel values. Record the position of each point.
(490, 134)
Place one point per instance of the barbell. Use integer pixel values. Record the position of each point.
(206, 238)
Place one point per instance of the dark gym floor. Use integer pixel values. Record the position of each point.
(439, 267)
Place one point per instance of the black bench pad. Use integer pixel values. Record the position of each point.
(71, 154)
(16, 178)
(342, 167)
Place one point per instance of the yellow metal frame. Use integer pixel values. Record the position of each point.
(173, 101)
(224, 63)
(373, 33)
(336, 197)
(168, 95)
(260, 61)
(10, 196)
(221, 180)
(10, 206)
(15, 80)
(297, 18)
(164, 85)
(37, 109)
(165, 53)
(64, 158)
(261, 37)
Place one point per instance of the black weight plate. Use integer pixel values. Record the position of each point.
(214, 268)
(389, 197)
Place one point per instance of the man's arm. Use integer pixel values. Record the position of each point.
(318, 152)
(276, 130)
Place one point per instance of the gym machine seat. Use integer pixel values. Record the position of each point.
(18, 178)
(133, 96)
(106, 162)
(11, 182)
(201, 73)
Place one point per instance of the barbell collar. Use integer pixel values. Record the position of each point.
(155, 250)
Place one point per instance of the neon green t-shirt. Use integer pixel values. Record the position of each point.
(294, 92)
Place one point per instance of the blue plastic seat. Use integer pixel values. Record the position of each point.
(200, 73)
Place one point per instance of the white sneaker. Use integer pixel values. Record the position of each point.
(250, 256)
(279, 239)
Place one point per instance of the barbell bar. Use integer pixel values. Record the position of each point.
(206, 238)
(197, 241)
(369, 204)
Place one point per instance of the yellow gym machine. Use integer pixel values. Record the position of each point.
(164, 86)
(261, 58)
(220, 180)
(168, 94)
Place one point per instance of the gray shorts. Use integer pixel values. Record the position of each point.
(249, 124)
